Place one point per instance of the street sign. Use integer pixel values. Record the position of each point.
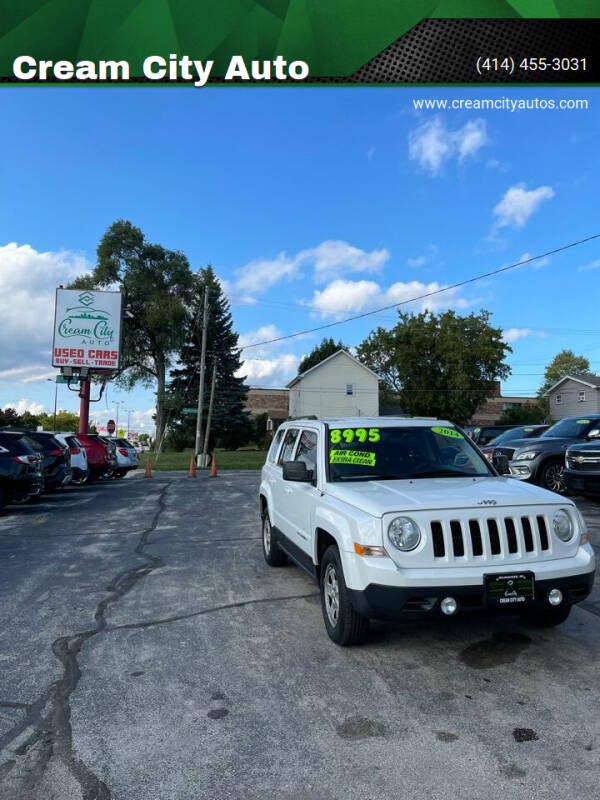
(111, 426)
(121, 433)
(190, 410)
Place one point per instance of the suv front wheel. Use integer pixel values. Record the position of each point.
(274, 555)
(344, 626)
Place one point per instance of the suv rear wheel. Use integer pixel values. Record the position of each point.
(274, 555)
(344, 626)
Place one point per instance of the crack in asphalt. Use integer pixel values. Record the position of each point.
(177, 617)
(49, 718)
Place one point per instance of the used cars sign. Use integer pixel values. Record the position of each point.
(87, 329)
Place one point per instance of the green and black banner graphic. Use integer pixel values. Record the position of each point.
(202, 42)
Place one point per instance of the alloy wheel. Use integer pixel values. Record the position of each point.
(555, 478)
(332, 595)
(267, 533)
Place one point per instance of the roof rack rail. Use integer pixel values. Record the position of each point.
(303, 416)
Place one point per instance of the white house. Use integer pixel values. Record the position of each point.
(339, 386)
(574, 395)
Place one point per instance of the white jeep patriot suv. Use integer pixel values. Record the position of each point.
(405, 517)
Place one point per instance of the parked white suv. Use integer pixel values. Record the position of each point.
(405, 517)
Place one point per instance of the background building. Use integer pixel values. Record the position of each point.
(340, 386)
(574, 395)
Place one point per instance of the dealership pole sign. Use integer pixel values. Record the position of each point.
(87, 330)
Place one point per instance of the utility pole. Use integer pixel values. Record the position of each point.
(129, 412)
(118, 403)
(199, 438)
(210, 411)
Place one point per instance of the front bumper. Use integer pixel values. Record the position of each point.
(394, 602)
(582, 482)
(523, 470)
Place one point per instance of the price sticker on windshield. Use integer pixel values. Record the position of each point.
(359, 457)
(449, 432)
(349, 435)
(582, 421)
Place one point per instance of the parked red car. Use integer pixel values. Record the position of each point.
(97, 455)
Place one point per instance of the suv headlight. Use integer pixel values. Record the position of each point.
(527, 456)
(563, 525)
(404, 533)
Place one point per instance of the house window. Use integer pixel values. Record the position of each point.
(582, 397)
(349, 388)
(558, 399)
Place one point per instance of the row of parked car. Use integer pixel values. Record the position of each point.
(564, 457)
(33, 462)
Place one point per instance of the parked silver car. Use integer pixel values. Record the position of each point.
(127, 458)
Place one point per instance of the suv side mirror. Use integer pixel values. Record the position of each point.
(594, 434)
(296, 471)
(501, 464)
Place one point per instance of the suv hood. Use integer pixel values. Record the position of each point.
(543, 445)
(382, 497)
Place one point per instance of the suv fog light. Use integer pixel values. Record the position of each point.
(555, 597)
(450, 606)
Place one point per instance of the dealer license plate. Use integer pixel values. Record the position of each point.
(516, 588)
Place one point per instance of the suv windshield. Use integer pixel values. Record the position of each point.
(403, 452)
(569, 428)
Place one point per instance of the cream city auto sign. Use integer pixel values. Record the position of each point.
(87, 329)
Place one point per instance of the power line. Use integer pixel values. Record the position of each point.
(457, 285)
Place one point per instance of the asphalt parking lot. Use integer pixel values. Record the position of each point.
(148, 653)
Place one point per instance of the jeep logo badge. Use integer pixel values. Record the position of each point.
(487, 503)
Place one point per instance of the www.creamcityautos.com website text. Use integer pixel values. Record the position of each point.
(504, 103)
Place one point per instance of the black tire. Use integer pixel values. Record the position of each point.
(343, 624)
(552, 477)
(274, 555)
(548, 617)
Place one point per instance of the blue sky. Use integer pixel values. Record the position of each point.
(311, 203)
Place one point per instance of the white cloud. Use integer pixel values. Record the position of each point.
(342, 297)
(333, 258)
(274, 372)
(264, 333)
(593, 265)
(518, 204)
(329, 259)
(538, 264)
(422, 260)
(23, 405)
(259, 275)
(514, 334)
(431, 145)
(28, 279)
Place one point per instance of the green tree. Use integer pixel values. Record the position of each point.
(157, 288)
(442, 366)
(231, 426)
(526, 415)
(65, 421)
(564, 363)
(319, 353)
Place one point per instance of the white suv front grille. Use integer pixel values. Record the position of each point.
(466, 538)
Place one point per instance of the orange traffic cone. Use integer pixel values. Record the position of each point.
(148, 472)
(213, 467)
(192, 472)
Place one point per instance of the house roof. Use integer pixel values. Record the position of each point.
(593, 381)
(299, 377)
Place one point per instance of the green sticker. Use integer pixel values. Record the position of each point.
(450, 432)
(583, 421)
(352, 457)
(527, 429)
(348, 435)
